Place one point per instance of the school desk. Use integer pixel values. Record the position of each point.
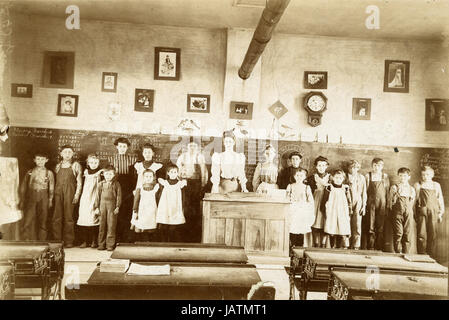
(312, 265)
(254, 221)
(30, 263)
(186, 281)
(179, 252)
(6, 282)
(355, 284)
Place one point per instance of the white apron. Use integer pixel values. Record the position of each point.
(321, 183)
(337, 213)
(170, 204)
(147, 210)
(87, 201)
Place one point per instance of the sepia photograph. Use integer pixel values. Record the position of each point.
(198, 103)
(241, 110)
(109, 82)
(144, 100)
(167, 63)
(361, 109)
(257, 157)
(21, 90)
(67, 105)
(315, 80)
(396, 76)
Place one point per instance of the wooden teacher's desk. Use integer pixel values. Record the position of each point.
(254, 221)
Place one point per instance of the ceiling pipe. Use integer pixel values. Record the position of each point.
(262, 35)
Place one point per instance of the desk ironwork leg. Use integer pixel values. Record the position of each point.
(304, 286)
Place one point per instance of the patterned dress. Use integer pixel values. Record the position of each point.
(321, 183)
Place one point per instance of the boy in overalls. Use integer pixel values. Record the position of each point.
(373, 221)
(36, 198)
(429, 211)
(402, 197)
(67, 194)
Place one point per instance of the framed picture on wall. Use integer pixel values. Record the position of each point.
(198, 103)
(58, 71)
(167, 63)
(437, 114)
(241, 110)
(21, 90)
(396, 77)
(109, 82)
(315, 80)
(144, 100)
(361, 109)
(67, 105)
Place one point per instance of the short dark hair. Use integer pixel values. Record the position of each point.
(109, 168)
(321, 158)
(295, 153)
(148, 146)
(338, 171)
(404, 170)
(40, 154)
(67, 146)
(148, 171)
(122, 140)
(377, 160)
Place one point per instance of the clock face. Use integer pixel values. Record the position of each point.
(316, 103)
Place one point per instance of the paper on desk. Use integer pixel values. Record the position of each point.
(146, 270)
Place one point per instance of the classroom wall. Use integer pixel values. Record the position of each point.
(209, 63)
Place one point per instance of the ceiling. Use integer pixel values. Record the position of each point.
(399, 19)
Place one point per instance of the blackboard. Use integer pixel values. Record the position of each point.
(25, 142)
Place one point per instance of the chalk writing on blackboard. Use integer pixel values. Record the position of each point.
(42, 133)
(439, 161)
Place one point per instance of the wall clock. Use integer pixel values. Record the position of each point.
(315, 103)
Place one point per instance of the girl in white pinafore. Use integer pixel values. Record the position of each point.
(336, 202)
(170, 212)
(145, 206)
(301, 215)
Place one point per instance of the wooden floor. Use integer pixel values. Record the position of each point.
(81, 262)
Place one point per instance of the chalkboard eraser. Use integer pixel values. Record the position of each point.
(396, 149)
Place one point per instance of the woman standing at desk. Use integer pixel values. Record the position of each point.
(228, 167)
(266, 173)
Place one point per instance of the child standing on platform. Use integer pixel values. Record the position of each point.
(107, 203)
(67, 194)
(145, 207)
(317, 182)
(402, 197)
(170, 213)
(337, 206)
(88, 220)
(357, 185)
(377, 185)
(302, 213)
(37, 192)
(429, 211)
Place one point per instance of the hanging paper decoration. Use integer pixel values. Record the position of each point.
(278, 109)
(187, 127)
(114, 110)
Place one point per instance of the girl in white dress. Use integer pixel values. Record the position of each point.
(88, 219)
(147, 163)
(145, 206)
(170, 214)
(302, 213)
(337, 205)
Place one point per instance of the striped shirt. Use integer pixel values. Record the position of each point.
(122, 162)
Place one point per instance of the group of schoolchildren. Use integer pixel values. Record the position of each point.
(104, 195)
(348, 210)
